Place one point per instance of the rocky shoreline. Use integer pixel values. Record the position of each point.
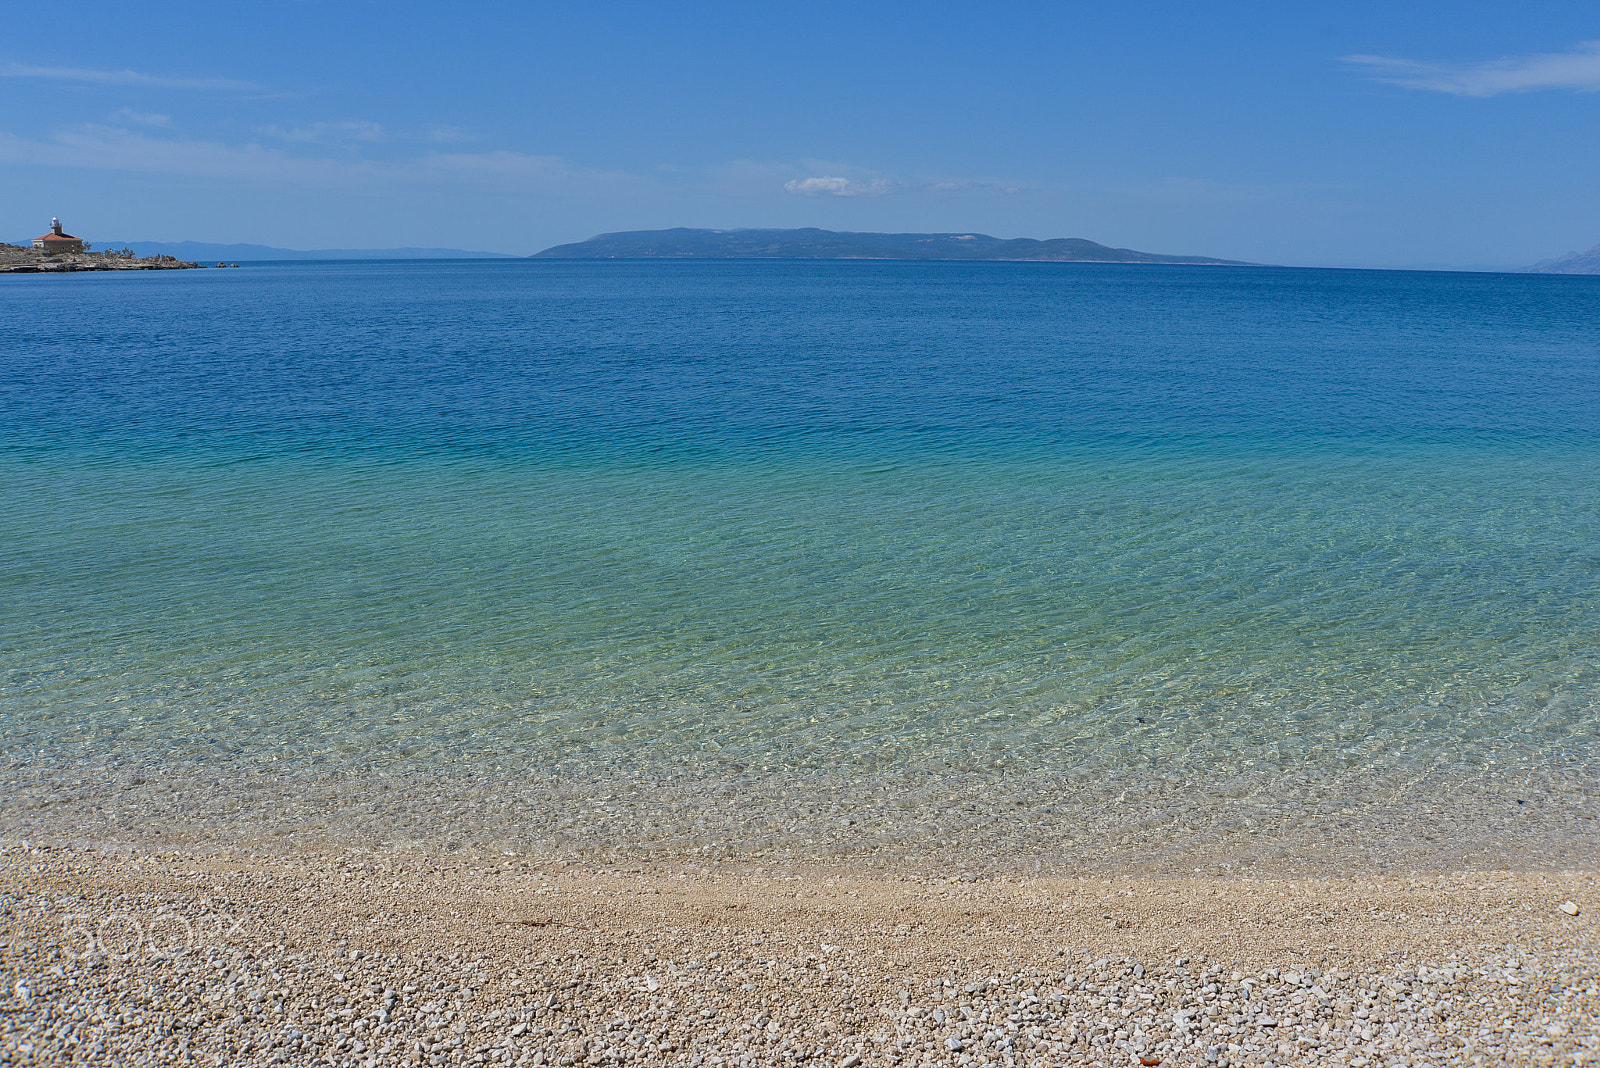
(16, 259)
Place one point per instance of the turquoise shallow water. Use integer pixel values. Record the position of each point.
(773, 528)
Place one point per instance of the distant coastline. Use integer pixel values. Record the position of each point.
(815, 244)
(204, 252)
(1587, 262)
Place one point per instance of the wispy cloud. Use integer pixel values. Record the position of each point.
(326, 132)
(125, 77)
(450, 135)
(1190, 193)
(841, 183)
(835, 186)
(1578, 69)
(313, 157)
(108, 148)
(975, 185)
(141, 118)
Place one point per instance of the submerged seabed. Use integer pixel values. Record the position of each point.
(1155, 568)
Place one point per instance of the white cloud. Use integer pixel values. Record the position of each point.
(833, 186)
(106, 148)
(1578, 69)
(142, 118)
(976, 185)
(510, 169)
(118, 149)
(306, 158)
(124, 77)
(450, 135)
(822, 178)
(325, 132)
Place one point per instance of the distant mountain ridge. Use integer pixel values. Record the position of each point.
(201, 252)
(1572, 263)
(813, 244)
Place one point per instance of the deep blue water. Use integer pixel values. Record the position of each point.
(720, 360)
(801, 514)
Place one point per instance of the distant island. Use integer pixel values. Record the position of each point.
(1572, 263)
(814, 244)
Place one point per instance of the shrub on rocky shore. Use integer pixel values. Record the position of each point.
(16, 259)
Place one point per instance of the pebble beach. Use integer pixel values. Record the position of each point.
(240, 958)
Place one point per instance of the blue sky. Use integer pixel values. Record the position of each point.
(1322, 133)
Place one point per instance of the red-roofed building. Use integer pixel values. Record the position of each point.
(56, 241)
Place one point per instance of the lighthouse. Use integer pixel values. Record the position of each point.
(56, 241)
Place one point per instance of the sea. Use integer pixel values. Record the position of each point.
(948, 565)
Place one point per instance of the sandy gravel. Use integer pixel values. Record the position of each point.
(1304, 817)
(143, 958)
